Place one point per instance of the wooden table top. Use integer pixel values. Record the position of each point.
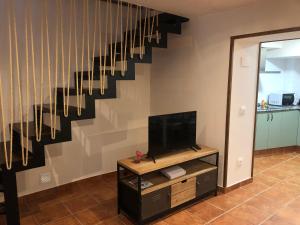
(147, 165)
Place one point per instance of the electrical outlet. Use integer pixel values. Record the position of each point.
(240, 161)
(45, 178)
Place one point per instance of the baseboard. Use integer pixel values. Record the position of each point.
(276, 150)
(225, 190)
(101, 173)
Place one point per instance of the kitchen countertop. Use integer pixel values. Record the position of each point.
(278, 108)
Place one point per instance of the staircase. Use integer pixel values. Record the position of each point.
(168, 23)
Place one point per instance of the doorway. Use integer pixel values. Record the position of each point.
(242, 102)
(277, 135)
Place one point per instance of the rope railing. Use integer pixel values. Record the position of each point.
(58, 48)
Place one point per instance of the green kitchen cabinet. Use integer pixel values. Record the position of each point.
(289, 128)
(262, 131)
(277, 129)
(275, 123)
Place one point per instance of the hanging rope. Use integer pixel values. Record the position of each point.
(157, 34)
(152, 27)
(135, 31)
(124, 60)
(38, 121)
(131, 44)
(140, 23)
(78, 92)
(121, 27)
(53, 127)
(111, 35)
(79, 98)
(142, 47)
(88, 47)
(91, 84)
(103, 72)
(66, 100)
(52, 123)
(19, 84)
(25, 154)
(8, 159)
(100, 41)
(113, 64)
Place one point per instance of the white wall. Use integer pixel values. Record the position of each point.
(288, 81)
(194, 73)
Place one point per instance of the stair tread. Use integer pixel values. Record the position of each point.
(31, 129)
(46, 107)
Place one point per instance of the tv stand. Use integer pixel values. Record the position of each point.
(145, 194)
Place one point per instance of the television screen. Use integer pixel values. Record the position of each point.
(171, 132)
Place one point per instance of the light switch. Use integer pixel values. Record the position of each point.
(245, 61)
(242, 110)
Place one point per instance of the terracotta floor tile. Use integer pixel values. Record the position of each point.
(275, 221)
(294, 179)
(229, 220)
(249, 214)
(277, 196)
(205, 211)
(267, 180)
(50, 213)
(289, 215)
(28, 220)
(278, 173)
(240, 194)
(96, 214)
(183, 218)
(295, 204)
(112, 221)
(263, 204)
(65, 221)
(255, 187)
(81, 203)
(103, 194)
(223, 202)
(87, 217)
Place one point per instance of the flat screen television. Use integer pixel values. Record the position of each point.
(171, 132)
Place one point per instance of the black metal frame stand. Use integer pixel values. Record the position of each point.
(11, 197)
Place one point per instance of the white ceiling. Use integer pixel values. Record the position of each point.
(191, 7)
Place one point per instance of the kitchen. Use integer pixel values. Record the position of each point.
(278, 105)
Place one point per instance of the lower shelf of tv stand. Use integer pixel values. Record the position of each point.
(193, 168)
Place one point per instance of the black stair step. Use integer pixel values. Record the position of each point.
(168, 18)
(46, 131)
(59, 109)
(147, 58)
(73, 91)
(108, 92)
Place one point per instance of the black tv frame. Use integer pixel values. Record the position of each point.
(194, 147)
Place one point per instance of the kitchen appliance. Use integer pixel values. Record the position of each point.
(285, 99)
(171, 132)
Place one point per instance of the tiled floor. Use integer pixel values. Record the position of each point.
(272, 199)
